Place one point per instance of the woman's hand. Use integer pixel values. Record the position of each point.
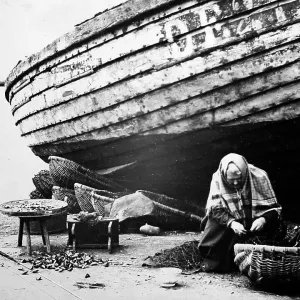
(258, 224)
(238, 228)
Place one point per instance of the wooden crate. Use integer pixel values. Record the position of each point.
(105, 234)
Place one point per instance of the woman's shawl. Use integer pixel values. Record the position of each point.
(256, 190)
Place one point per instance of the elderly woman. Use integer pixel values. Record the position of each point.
(241, 201)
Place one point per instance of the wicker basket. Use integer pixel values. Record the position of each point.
(83, 196)
(43, 183)
(270, 263)
(172, 218)
(55, 224)
(67, 195)
(183, 205)
(66, 173)
(111, 195)
(101, 203)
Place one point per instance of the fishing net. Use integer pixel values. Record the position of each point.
(186, 257)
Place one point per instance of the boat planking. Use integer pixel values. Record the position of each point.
(172, 86)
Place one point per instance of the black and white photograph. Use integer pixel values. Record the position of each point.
(149, 149)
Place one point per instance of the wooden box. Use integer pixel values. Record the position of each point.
(105, 234)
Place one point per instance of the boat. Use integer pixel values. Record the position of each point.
(171, 86)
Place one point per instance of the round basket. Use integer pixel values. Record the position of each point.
(271, 263)
(99, 203)
(43, 183)
(55, 224)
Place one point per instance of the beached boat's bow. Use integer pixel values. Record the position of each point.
(172, 85)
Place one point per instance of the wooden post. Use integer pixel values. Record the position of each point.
(46, 235)
(42, 232)
(20, 236)
(73, 236)
(109, 231)
(27, 226)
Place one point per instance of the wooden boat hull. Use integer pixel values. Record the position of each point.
(172, 85)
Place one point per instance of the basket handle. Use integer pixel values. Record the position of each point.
(266, 248)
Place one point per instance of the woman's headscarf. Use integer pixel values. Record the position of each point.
(239, 161)
(256, 190)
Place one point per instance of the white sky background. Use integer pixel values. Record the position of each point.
(27, 26)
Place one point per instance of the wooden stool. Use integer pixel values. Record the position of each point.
(29, 210)
(105, 234)
(44, 232)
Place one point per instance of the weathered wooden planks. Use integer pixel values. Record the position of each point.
(168, 29)
(106, 20)
(188, 121)
(239, 90)
(101, 100)
(210, 12)
(205, 83)
(134, 66)
(76, 63)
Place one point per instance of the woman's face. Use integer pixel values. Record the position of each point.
(234, 176)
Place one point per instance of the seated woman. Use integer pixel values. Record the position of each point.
(241, 201)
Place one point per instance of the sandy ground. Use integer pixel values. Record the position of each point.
(125, 278)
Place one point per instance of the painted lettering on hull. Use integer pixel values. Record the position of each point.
(229, 30)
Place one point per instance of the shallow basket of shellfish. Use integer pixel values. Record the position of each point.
(270, 263)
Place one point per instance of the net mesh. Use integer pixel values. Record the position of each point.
(185, 257)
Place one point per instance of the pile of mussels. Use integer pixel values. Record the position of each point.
(66, 260)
